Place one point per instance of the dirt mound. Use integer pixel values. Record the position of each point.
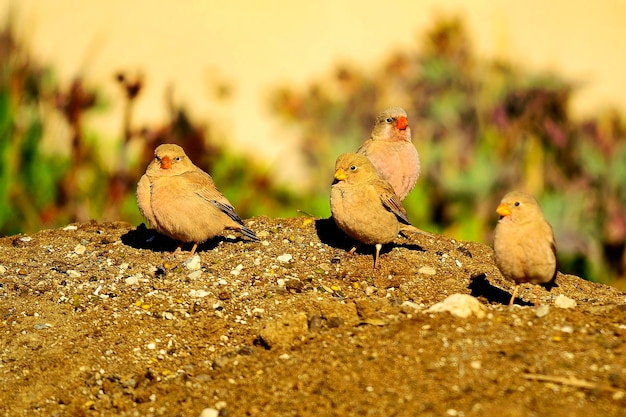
(102, 319)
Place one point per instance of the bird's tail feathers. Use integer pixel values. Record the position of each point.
(412, 229)
(248, 233)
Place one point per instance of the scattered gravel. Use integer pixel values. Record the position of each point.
(103, 319)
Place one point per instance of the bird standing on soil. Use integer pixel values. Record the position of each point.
(364, 205)
(524, 245)
(181, 201)
(391, 151)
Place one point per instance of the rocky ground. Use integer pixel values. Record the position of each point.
(102, 319)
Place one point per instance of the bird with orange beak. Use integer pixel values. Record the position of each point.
(181, 201)
(524, 244)
(392, 152)
(365, 206)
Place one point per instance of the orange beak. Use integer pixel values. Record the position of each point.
(166, 162)
(340, 174)
(503, 210)
(402, 123)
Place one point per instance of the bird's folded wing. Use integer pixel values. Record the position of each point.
(204, 187)
(390, 200)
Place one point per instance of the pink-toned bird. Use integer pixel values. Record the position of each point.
(392, 152)
(181, 201)
(524, 245)
(364, 205)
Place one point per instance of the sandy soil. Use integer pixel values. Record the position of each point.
(102, 319)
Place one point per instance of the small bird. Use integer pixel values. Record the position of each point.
(524, 245)
(364, 205)
(391, 151)
(181, 201)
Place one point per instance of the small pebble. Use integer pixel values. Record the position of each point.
(80, 249)
(72, 273)
(460, 305)
(199, 293)
(132, 280)
(563, 301)
(542, 310)
(3, 269)
(285, 257)
(427, 270)
(237, 270)
(209, 412)
(43, 326)
(193, 263)
(26, 239)
(195, 274)
(70, 227)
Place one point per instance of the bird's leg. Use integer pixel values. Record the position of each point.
(351, 252)
(514, 294)
(193, 250)
(178, 249)
(536, 295)
(378, 246)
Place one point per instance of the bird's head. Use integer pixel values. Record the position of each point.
(519, 207)
(352, 168)
(170, 158)
(392, 124)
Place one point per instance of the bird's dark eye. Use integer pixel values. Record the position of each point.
(177, 158)
(353, 168)
(389, 120)
(516, 203)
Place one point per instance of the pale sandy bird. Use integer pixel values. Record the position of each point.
(364, 205)
(392, 152)
(524, 245)
(181, 201)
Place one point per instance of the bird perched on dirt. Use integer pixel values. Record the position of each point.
(524, 245)
(364, 205)
(391, 151)
(181, 201)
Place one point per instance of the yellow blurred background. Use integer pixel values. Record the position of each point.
(190, 46)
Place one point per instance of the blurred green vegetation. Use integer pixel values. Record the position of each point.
(481, 127)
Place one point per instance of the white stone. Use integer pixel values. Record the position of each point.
(132, 280)
(542, 310)
(285, 257)
(563, 301)
(209, 412)
(193, 263)
(427, 270)
(80, 249)
(70, 227)
(195, 274)
(72, 273)
(199, 293)
(460, 305)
